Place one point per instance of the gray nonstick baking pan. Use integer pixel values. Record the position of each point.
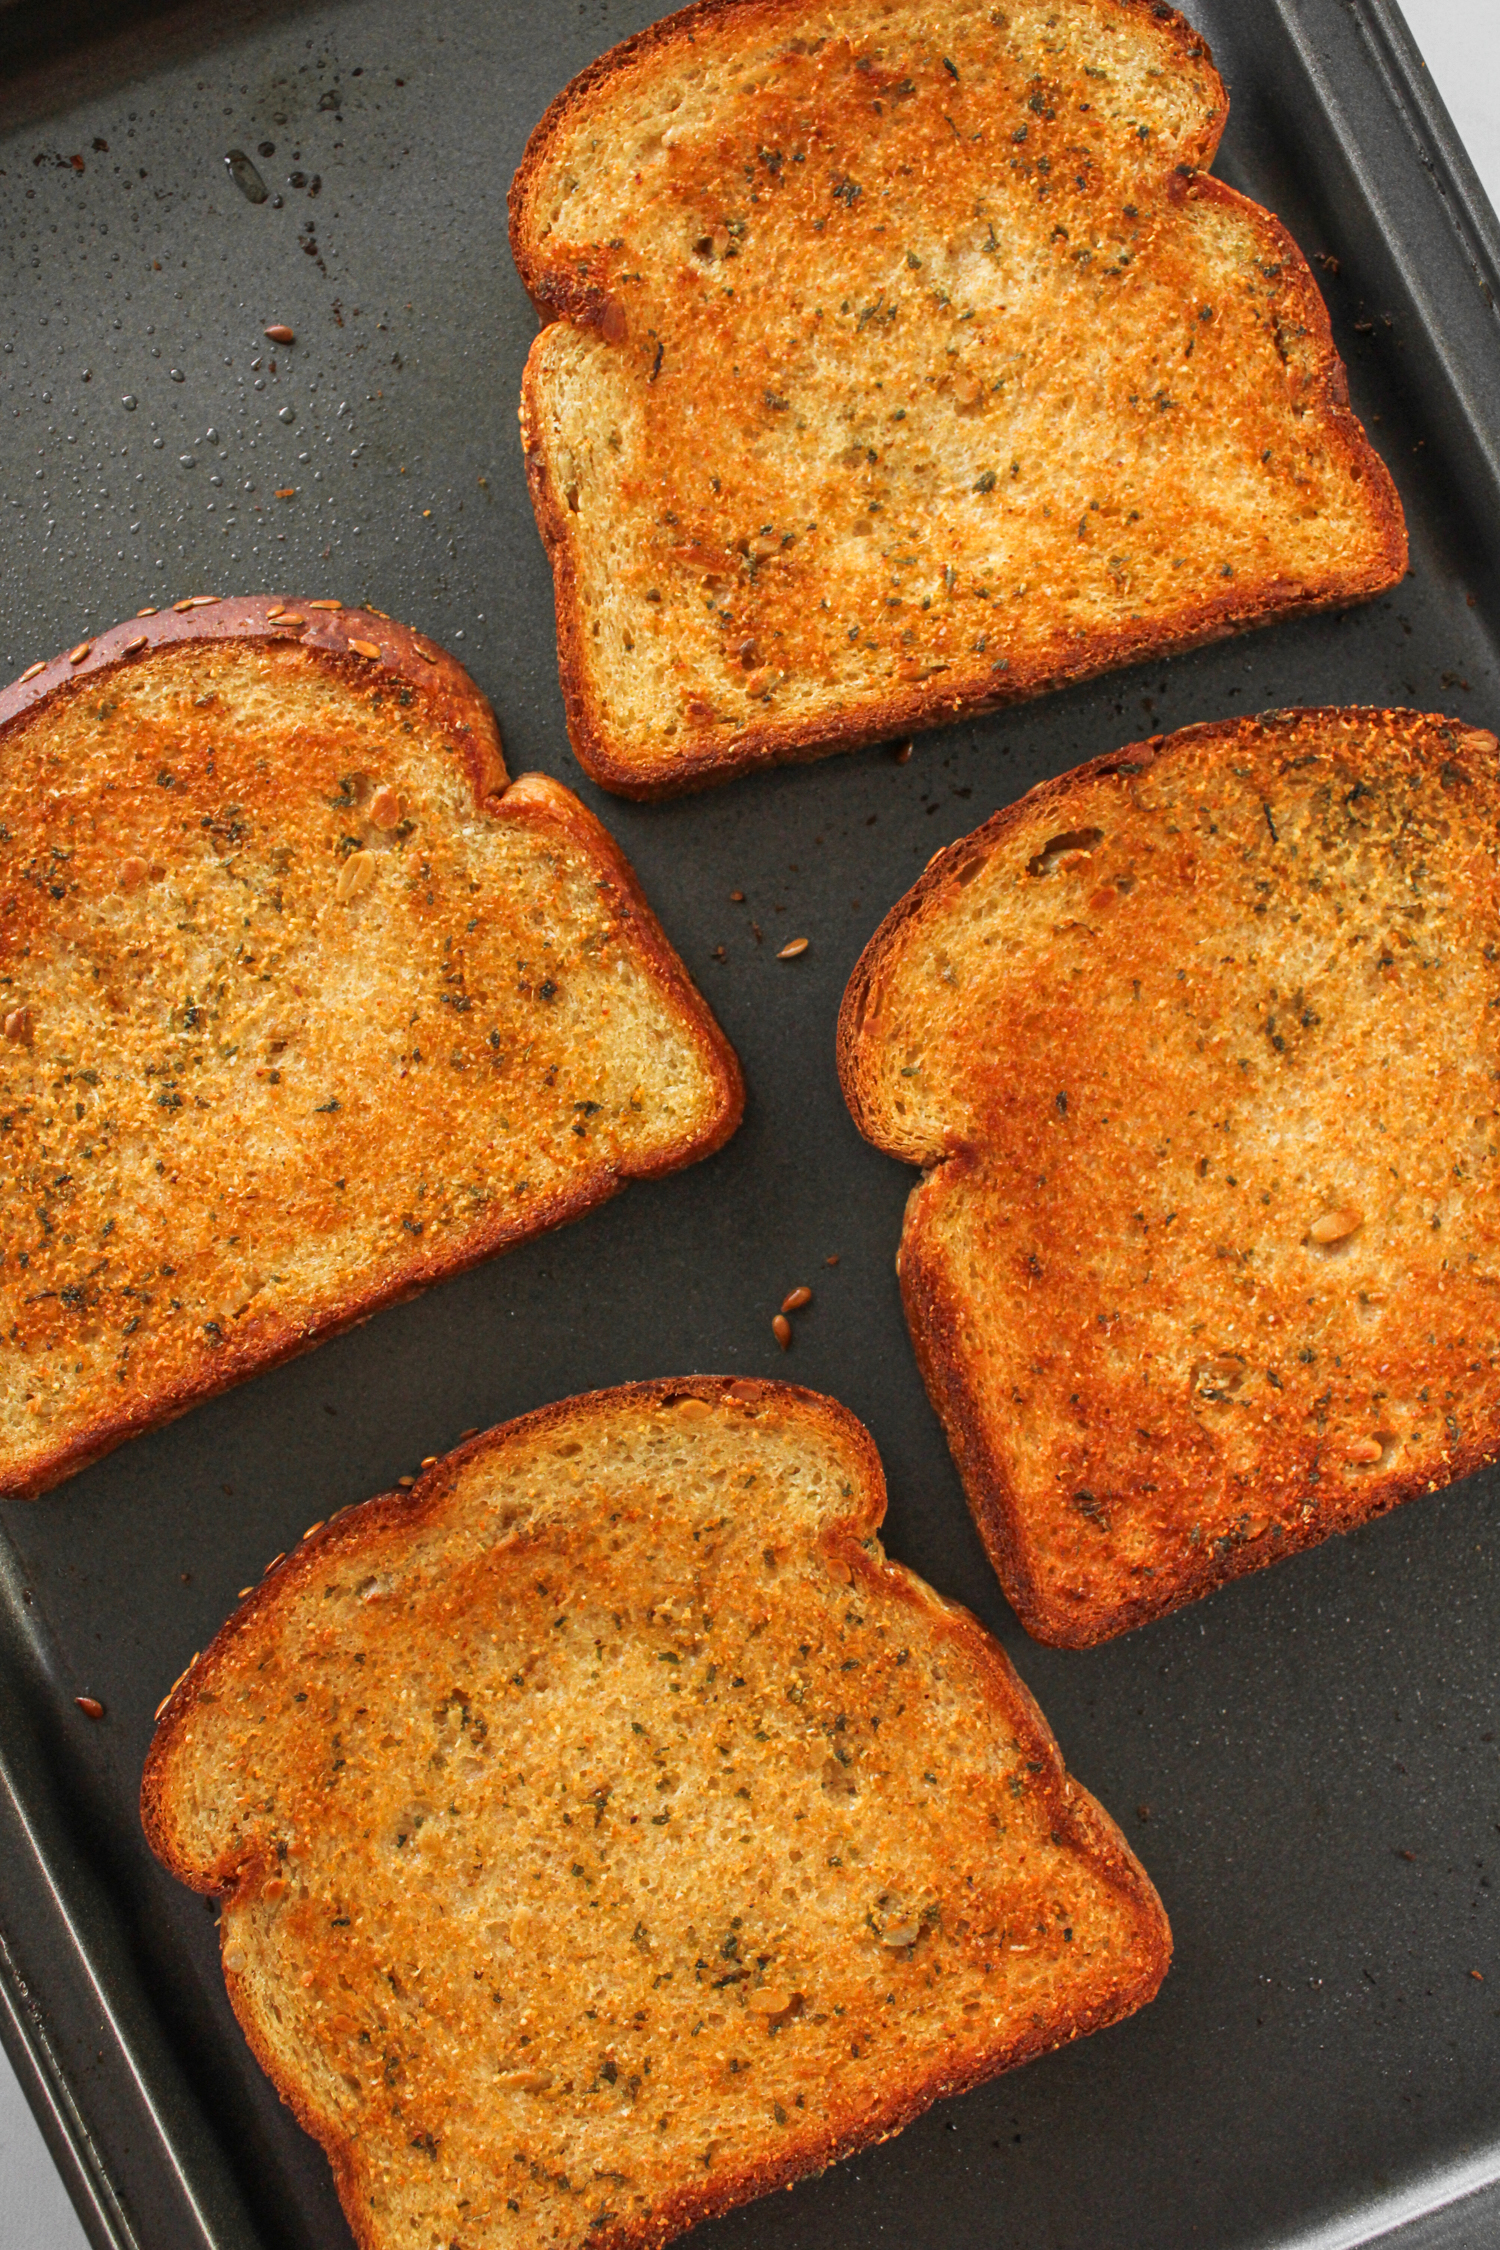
(1306, 1762)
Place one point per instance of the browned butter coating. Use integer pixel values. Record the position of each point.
(1197, 1049)
(904, 360)
(301, 1007)
(608, 1832)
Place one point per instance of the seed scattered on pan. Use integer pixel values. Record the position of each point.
(90, 1706)
(1363, 1449)
(325, 605)
(406, 1483)
(736, 898)
(797, 1299)
(286, 492)
(279, 333)
(77, 655)
(18, 1026)
(790, 952)
(355, 877)
(781, 1329)
(133, 648)
(385, 807)
(31, 675)
(902, 752)
(1336, 1226)
(365, 648)
(131, 873)
(833, 1261)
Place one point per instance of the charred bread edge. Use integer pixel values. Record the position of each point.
(559, 296)
(929, 1309)
(1078, 1819)
(533, 800)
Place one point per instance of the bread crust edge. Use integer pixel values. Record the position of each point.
(1074, 1813)
(532, 799)
(929, 1306)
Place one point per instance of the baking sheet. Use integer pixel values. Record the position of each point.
(1306, 1762)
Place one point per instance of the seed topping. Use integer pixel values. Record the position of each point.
(134, 647)
(356, 876)
(77, 655)
(365, 648)
(32, 673)
(386, 807)
(1336, 1226)
(1363, 1449)
(131, 873)
(325, 605)
(770, 2000)
(18, 1026)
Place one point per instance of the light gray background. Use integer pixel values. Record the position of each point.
(1461, 42)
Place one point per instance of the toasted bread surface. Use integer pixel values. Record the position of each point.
(902, 361)
(1196, 1046)
(302, 1008)
(609, 1832)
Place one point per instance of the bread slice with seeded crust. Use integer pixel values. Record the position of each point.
(302, 1007)
(1196, 1048)
(903, 360)
(608, 1832)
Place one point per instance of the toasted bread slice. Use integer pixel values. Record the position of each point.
(302, 1009)
(901, 362)
(1196, 1047)
(608, 1832)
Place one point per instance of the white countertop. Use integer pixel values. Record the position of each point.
(1461, 41)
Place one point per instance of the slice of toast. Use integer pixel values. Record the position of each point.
(301, 1008)
(1196, 1047)
(902, 361)
(609, 1833)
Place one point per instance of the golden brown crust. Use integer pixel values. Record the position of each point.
(329, 631)
(359, 1538)
(1288, 1502)
(340, 641)
(967, 684)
